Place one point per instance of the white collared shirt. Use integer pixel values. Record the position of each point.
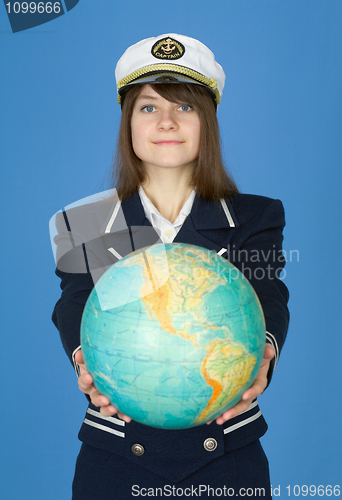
(166, 230)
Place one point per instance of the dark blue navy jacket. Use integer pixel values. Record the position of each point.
(90, 237)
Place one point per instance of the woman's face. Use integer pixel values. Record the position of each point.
(164, 134)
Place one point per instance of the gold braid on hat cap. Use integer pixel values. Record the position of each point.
(173, 68)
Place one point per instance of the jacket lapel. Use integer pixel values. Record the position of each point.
(206, 226)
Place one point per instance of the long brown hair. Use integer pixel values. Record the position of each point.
(209, 176)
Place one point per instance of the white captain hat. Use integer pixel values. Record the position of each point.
(169, 58)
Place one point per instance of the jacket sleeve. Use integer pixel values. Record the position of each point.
(76, 284)
(67, 313)
(260, 259)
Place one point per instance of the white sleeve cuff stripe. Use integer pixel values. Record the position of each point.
(251, 406)
(241, 424)
(114, 420)
(104, 428)
(274, 343)
(76, 365)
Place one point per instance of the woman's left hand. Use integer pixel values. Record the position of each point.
(258, 387)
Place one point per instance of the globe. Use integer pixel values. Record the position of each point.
(173, 334)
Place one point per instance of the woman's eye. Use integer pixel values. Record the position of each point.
(185, 107)
(149, 109)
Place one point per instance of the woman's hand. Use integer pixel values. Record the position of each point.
(86, 385)
(258, 387)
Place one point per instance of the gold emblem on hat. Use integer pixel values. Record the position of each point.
(168, 48)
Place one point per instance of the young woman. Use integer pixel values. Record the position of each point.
(170, 180)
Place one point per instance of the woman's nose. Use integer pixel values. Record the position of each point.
(167, 120)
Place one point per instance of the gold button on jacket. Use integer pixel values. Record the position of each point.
(138, 450)
(210, 444)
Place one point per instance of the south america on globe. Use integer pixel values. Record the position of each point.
(173, 334)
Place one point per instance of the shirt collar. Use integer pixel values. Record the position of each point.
(151, 210)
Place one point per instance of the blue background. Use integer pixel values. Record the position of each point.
(281, 128)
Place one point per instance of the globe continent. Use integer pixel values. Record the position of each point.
(173, 334)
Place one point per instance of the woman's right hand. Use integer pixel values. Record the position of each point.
(86, 385)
